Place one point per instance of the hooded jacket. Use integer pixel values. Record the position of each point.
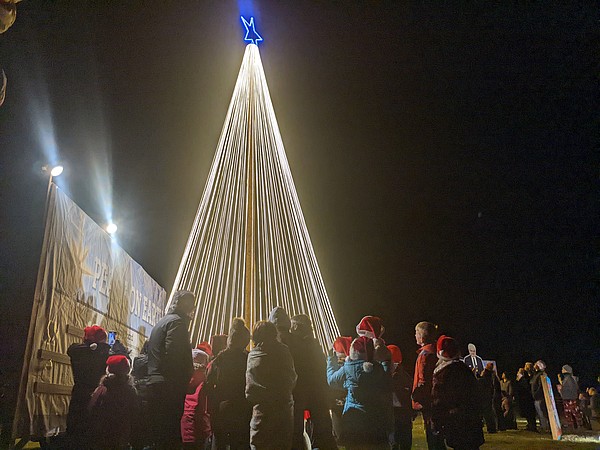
(368, 391)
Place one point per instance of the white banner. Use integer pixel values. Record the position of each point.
(84, 279)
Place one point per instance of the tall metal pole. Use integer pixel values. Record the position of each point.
(249, 307)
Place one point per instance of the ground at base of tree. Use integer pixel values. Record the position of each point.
(509, 440)
(521, 440)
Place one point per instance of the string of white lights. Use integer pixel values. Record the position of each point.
(282, 265)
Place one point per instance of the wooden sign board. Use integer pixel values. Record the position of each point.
(551, 407)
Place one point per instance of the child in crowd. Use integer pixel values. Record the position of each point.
(401, 401)
(230, 412)
(195, 422)
(112, 406)
(364, 419)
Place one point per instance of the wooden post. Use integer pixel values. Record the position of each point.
(249, 309)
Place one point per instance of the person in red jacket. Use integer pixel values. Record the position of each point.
(426, 336)
(195, 421)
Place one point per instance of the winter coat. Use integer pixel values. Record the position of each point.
(226, 378)
(169, 352)
(537, 390)
(310, 366)
(422, 381)
(455, 410)
(524, 398)
(88, 364)
(369, 398)
(569, 389)
(270, 379)
(485, 390)
(112, 407)
(401, 388)
(195, 421)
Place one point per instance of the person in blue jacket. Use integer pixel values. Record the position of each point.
(369, 398)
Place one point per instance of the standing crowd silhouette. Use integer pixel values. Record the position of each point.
(286, 394)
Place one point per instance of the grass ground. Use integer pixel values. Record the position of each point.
(509, 440)
(520, 440)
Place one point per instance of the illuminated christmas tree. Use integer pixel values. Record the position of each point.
(249, 249)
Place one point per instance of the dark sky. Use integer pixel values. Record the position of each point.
(445, 154)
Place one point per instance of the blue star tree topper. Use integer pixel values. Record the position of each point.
(251, 35)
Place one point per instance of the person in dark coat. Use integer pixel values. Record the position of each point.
(401, 402)
(508, 397)
(112, 407)
(270, 380)
(524, 399)
(426, 337)
(88, 363)
(486, 398)
(169, 370)
(369, 398)
(280, 318)
(230, 412)
(140, 425)
(310, 393)
(454, 399)
(569, 392)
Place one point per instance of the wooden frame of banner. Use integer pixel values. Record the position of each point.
(551, 407)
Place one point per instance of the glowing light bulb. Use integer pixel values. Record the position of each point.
(111, 228)
(56, 171)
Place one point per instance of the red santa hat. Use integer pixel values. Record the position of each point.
(342, 345)
(362, 348)
(205, 347)
(447, 348)
(396, 353)
(200, 357)
(118, 364)
(94, 334)
(370, 326)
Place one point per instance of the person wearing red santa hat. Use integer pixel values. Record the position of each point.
(372, 327)
(365, 421)
(113, 406)
(88, 363)
(401, 401)
(341, 349)
(455, 406)
(195, 421)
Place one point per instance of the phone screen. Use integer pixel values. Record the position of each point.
(112, 336)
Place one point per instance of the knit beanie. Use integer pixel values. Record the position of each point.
(567, 369)
(239, 334)
(280, 318)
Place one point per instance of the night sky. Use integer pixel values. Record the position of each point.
(445, 154)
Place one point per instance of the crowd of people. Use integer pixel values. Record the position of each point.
(285, 393)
